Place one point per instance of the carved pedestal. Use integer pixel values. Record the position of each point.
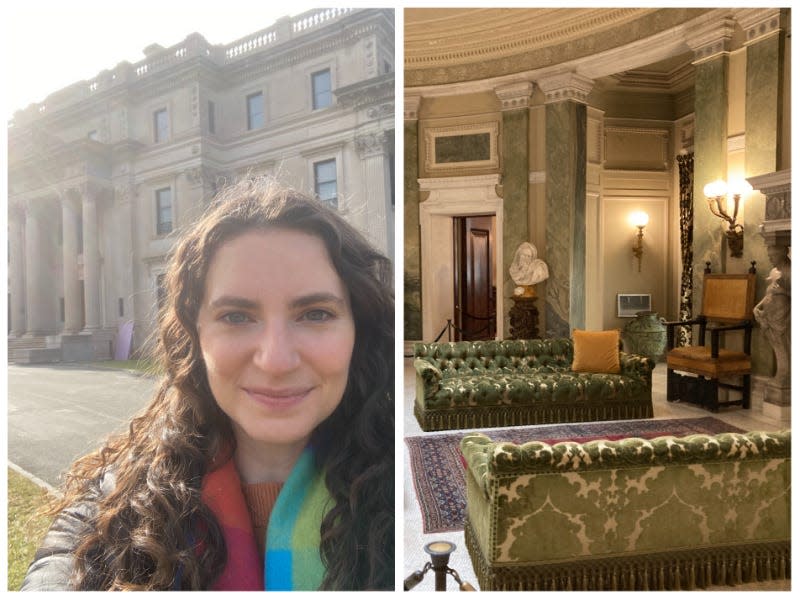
(524, 317)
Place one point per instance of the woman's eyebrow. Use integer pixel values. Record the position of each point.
(316, 298)
(234, 301)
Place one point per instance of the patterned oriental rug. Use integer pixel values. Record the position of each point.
(438, 471)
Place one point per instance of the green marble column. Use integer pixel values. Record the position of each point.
(412, 306)
(565, 232)
(710, 163)
(763, 154)
(515, 195)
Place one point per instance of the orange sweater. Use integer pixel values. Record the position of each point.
(260, 498)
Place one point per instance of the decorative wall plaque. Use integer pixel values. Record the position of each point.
(461, 147)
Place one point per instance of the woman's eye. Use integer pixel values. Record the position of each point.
(317, 315)
(235, 318)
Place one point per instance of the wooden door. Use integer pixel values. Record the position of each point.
(475, 295)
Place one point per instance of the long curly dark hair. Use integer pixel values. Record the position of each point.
(140, 536)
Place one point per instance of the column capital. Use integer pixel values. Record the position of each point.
(710, 38)
(411, 107)
(565, 86)
(760, 23)
(371, 144)
(515, 95)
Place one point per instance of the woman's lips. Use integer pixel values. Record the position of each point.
(278, 398)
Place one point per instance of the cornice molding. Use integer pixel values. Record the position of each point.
(760, 23)
(710, 37)
(411, 107)
(515, 95)
(565, 86)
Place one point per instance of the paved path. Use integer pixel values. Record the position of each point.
(57, 413)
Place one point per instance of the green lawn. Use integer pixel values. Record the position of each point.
(25, 527)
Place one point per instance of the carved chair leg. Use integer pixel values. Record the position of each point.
(672, 386)
(709, 392)
(746, 391)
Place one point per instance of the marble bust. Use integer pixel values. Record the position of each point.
(527, 270)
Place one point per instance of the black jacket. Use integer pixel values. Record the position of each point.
(53, 564)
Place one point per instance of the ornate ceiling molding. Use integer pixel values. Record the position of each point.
(545, 38)
(565, 86)
(710, 37)
(515, 95)
(760, 23)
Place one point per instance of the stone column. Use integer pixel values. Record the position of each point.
(38, 295)
(565, 134)
(91, 260)
(16, 270)
(371, 148)
(711, 44)
(72, 292)
(412, 277)
(515, 101)
(764, 147)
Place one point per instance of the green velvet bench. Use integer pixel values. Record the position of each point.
(669, 513)
(469, 385)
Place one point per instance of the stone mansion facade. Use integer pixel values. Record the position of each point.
(105, 174)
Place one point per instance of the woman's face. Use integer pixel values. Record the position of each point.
(276, 333)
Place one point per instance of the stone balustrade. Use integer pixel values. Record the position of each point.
(193, 46)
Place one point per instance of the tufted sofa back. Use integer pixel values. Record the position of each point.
(497, 356)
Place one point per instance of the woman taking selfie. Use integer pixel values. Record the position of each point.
(266, 458)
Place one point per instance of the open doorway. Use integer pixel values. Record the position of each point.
(475, 290)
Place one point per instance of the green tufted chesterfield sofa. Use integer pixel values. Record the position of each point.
(668, 513)
(467, 385)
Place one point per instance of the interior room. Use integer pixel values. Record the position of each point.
(590, 171)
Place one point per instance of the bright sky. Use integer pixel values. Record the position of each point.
(50, 44)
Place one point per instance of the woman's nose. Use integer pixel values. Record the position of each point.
(276, 351)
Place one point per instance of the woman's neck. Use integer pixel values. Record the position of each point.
(258, 462)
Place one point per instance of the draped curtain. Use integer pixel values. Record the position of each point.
(686, 173)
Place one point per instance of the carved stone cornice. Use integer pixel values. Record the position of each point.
(760, 23)
(515, 95)
(411, 107)
(777, 188)
(365, 93)
(565, 86)
(372, 144)
(710, 37)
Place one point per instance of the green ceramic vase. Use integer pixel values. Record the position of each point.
(646, 335)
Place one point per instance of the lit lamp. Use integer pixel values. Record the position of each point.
(714, 193)
(639, 219)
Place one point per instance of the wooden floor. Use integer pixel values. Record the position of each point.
(414, 540)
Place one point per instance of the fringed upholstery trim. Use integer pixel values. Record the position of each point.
(678, 570)
(509, 416)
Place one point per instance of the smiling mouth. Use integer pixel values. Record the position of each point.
(278, 399)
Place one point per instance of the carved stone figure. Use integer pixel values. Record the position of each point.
(527, 270)
(774, 313)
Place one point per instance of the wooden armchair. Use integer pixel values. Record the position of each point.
(728, 302)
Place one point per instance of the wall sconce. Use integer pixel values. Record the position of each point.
(714, 193)
(639, 219)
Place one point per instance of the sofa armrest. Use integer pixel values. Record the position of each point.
(636, 366)
(428, 378)
(476, 448)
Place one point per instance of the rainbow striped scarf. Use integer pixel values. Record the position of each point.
(292, 560)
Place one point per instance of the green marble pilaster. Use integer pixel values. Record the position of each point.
(515, 194)
(763, 154)
(565, 231)
(710, 163)
(412, 293)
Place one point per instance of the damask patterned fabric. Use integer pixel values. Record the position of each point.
(667, 513)
(517, 382)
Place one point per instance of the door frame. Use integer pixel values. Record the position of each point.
(450, 197)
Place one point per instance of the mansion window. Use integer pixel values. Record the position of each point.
(325, 182)
(163, 211)
(160, 125)
(321, 88)
(255, 111)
